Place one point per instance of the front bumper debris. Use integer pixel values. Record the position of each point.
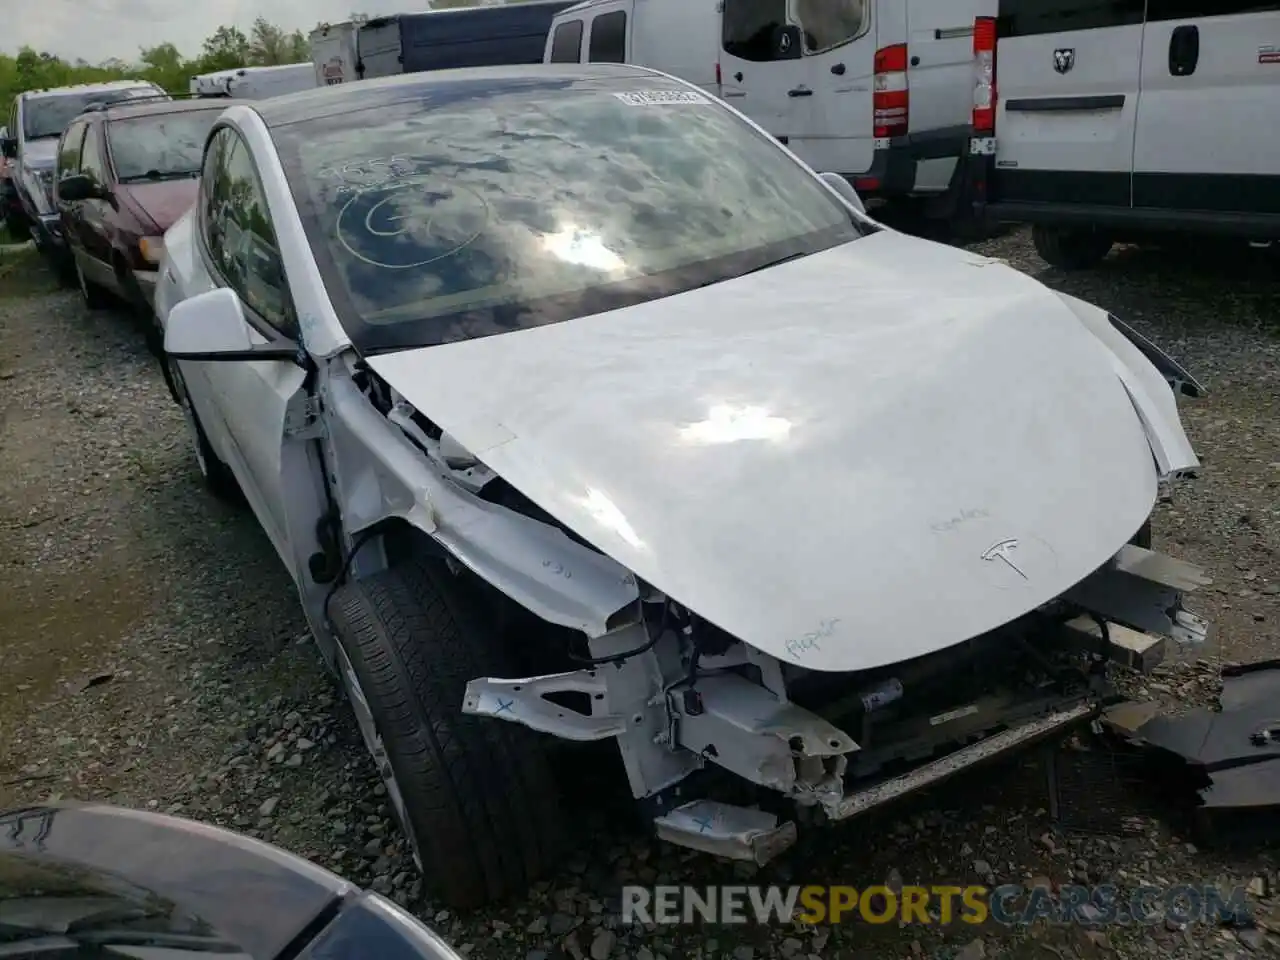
(746, 715)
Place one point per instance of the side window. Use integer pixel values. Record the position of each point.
(69, 150)
(566, 42)
(754, 29)
(212, 187)
(1025, 18)
(829, 23)
(609, 38)
(250, 256)
(1188, 9)
(91, 158)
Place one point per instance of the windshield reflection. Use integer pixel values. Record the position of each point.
(160, 146)
(473, 210)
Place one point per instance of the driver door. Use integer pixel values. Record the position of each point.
(244, 406)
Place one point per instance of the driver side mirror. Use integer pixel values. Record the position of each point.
(843, 187)
(9, 146)
(211, 326)
(78, 187)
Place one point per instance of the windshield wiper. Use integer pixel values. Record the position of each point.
(775, 263)
(154, 175)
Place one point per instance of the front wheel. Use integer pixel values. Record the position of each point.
(474, 796)
(217, 476)
(94, 297)
(1071, 248)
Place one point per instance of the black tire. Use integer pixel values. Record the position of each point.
(1143, 537)
(94, 297)
(217, 476)
(478, 794)
(1071, 248)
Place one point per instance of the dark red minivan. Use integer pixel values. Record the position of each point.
(125, 174)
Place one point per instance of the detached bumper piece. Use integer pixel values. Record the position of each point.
(838, 746)
(1231, 757)
(722, 830)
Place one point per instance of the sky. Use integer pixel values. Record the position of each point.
(99, 29)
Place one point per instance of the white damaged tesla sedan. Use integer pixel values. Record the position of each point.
(577, 407)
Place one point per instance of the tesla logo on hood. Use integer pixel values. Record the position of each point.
(1003, 552)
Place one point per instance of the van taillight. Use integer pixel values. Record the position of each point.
(890, 100)
(984, 76)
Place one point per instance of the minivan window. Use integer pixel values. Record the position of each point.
(479, 210)
(69, 153)
(609, 38)
(48, 114)
(566, 43)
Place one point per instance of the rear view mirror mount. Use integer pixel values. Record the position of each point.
(843, 187)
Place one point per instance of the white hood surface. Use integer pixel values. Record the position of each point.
(825, 458)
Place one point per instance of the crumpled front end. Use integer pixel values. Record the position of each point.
(682, 699)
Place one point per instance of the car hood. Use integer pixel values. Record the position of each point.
(846, 461)
(163, 201)
(40, 154)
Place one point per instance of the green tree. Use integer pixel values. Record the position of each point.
(226, 49)
(268, 45)
(164, 65)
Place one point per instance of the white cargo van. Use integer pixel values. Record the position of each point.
(335, 54)
(878, 90)
(254, 83)
(1129, 120)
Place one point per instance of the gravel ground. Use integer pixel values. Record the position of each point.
(153, 656)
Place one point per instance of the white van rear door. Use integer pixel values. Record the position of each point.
(1067, 72)
(760, 63)
(835, 126)
(1210, 103)
(680, 37)
(803, 69)
(940, 68)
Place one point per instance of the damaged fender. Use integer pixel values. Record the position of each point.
(1151, 377)
(534, 564)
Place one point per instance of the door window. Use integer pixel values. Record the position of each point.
(247, 253)
(1025, 18)
(609, 38)
(91, 163)
(829, 23)
(69, 150)
(566, 43)
(1192, 9)
(754, 29)
(212, 189)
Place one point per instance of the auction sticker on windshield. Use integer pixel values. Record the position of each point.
(648, 98)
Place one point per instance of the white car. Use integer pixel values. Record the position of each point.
(570, 398)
